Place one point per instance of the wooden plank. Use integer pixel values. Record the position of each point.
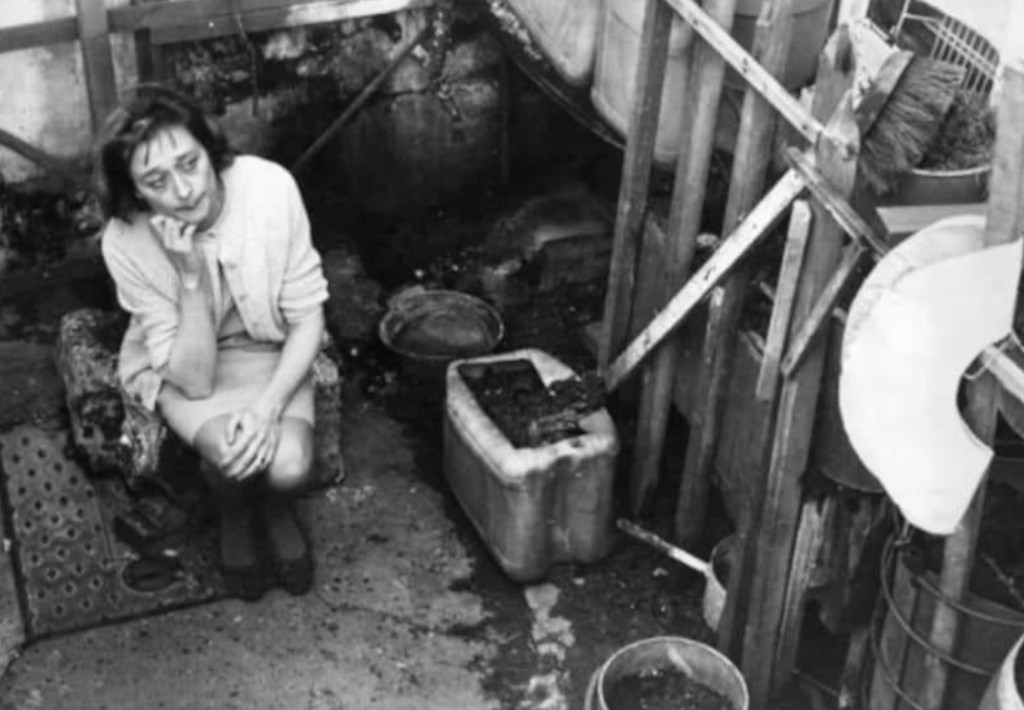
(814, 324)
(760, 80)
(38, 34)
(636, 176)
(185, 20)
(814, 526)
(693, 166)
(299, 13)
(785, 300)
(770, 544)
(754, 228)
(903, 220)
(94, 36)
(838, 207)
(751, 159)
(1003, 225)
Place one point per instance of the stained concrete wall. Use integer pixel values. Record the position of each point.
(426, 137)
(43, 96)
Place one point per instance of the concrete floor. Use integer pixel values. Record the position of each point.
(408, 609)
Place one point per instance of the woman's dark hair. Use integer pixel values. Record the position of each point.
(148, 109)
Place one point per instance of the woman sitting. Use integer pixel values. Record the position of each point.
(212, 256)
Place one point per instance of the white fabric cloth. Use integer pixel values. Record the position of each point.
(926, 311)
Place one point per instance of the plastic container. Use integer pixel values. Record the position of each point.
(535, 506)
(566, 32)
(810, 30)
(619, 51)
(699, 661)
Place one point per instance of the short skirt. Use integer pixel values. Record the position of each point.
(243, 369)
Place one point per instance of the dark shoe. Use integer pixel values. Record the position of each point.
(294, 576)
(248, 582)
(288, 548)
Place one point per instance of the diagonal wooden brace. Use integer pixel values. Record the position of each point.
(747, 235)
(864, 240)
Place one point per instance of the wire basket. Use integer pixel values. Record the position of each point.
(951, 41)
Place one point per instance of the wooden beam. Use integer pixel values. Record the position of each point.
(38, 34)
(770, 544)
(813, 325)
(784, 301)
(185, 20)
(838, 206)
(94, 36)
(754, 228)
(751, 159)
(636, 177)
(760, 80)
(812, 531)
(296, 14)
(694, 164)
(901, 221)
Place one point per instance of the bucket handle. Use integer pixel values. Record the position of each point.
(676, 553)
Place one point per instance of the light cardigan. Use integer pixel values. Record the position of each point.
(266, 253)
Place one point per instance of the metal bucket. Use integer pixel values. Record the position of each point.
(903, 651)
(696, 660)
(429, 329)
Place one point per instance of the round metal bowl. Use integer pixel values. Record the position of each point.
(429, 329)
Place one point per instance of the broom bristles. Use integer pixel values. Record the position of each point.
(909, 122)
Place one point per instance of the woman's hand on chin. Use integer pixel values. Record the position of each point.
(177, 238)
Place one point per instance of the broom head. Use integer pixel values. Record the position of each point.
(909, 122)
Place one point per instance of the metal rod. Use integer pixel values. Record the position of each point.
(360, 100)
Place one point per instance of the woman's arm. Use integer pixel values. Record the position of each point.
(193, 359)
(301, 346)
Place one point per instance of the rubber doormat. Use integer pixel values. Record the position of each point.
(69, 566)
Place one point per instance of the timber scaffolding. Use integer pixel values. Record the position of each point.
(651, 293)
(154, 26)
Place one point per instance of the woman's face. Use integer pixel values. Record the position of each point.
(173, 173)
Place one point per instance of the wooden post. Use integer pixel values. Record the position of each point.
(708, 72)
(94, 36)
(1003, 225)
(751, 160)
(785, 299)
(769, 547)
(636, 177)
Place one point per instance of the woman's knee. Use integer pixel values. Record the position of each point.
(290, 470)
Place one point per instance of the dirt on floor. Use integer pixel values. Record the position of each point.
(635, 593)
